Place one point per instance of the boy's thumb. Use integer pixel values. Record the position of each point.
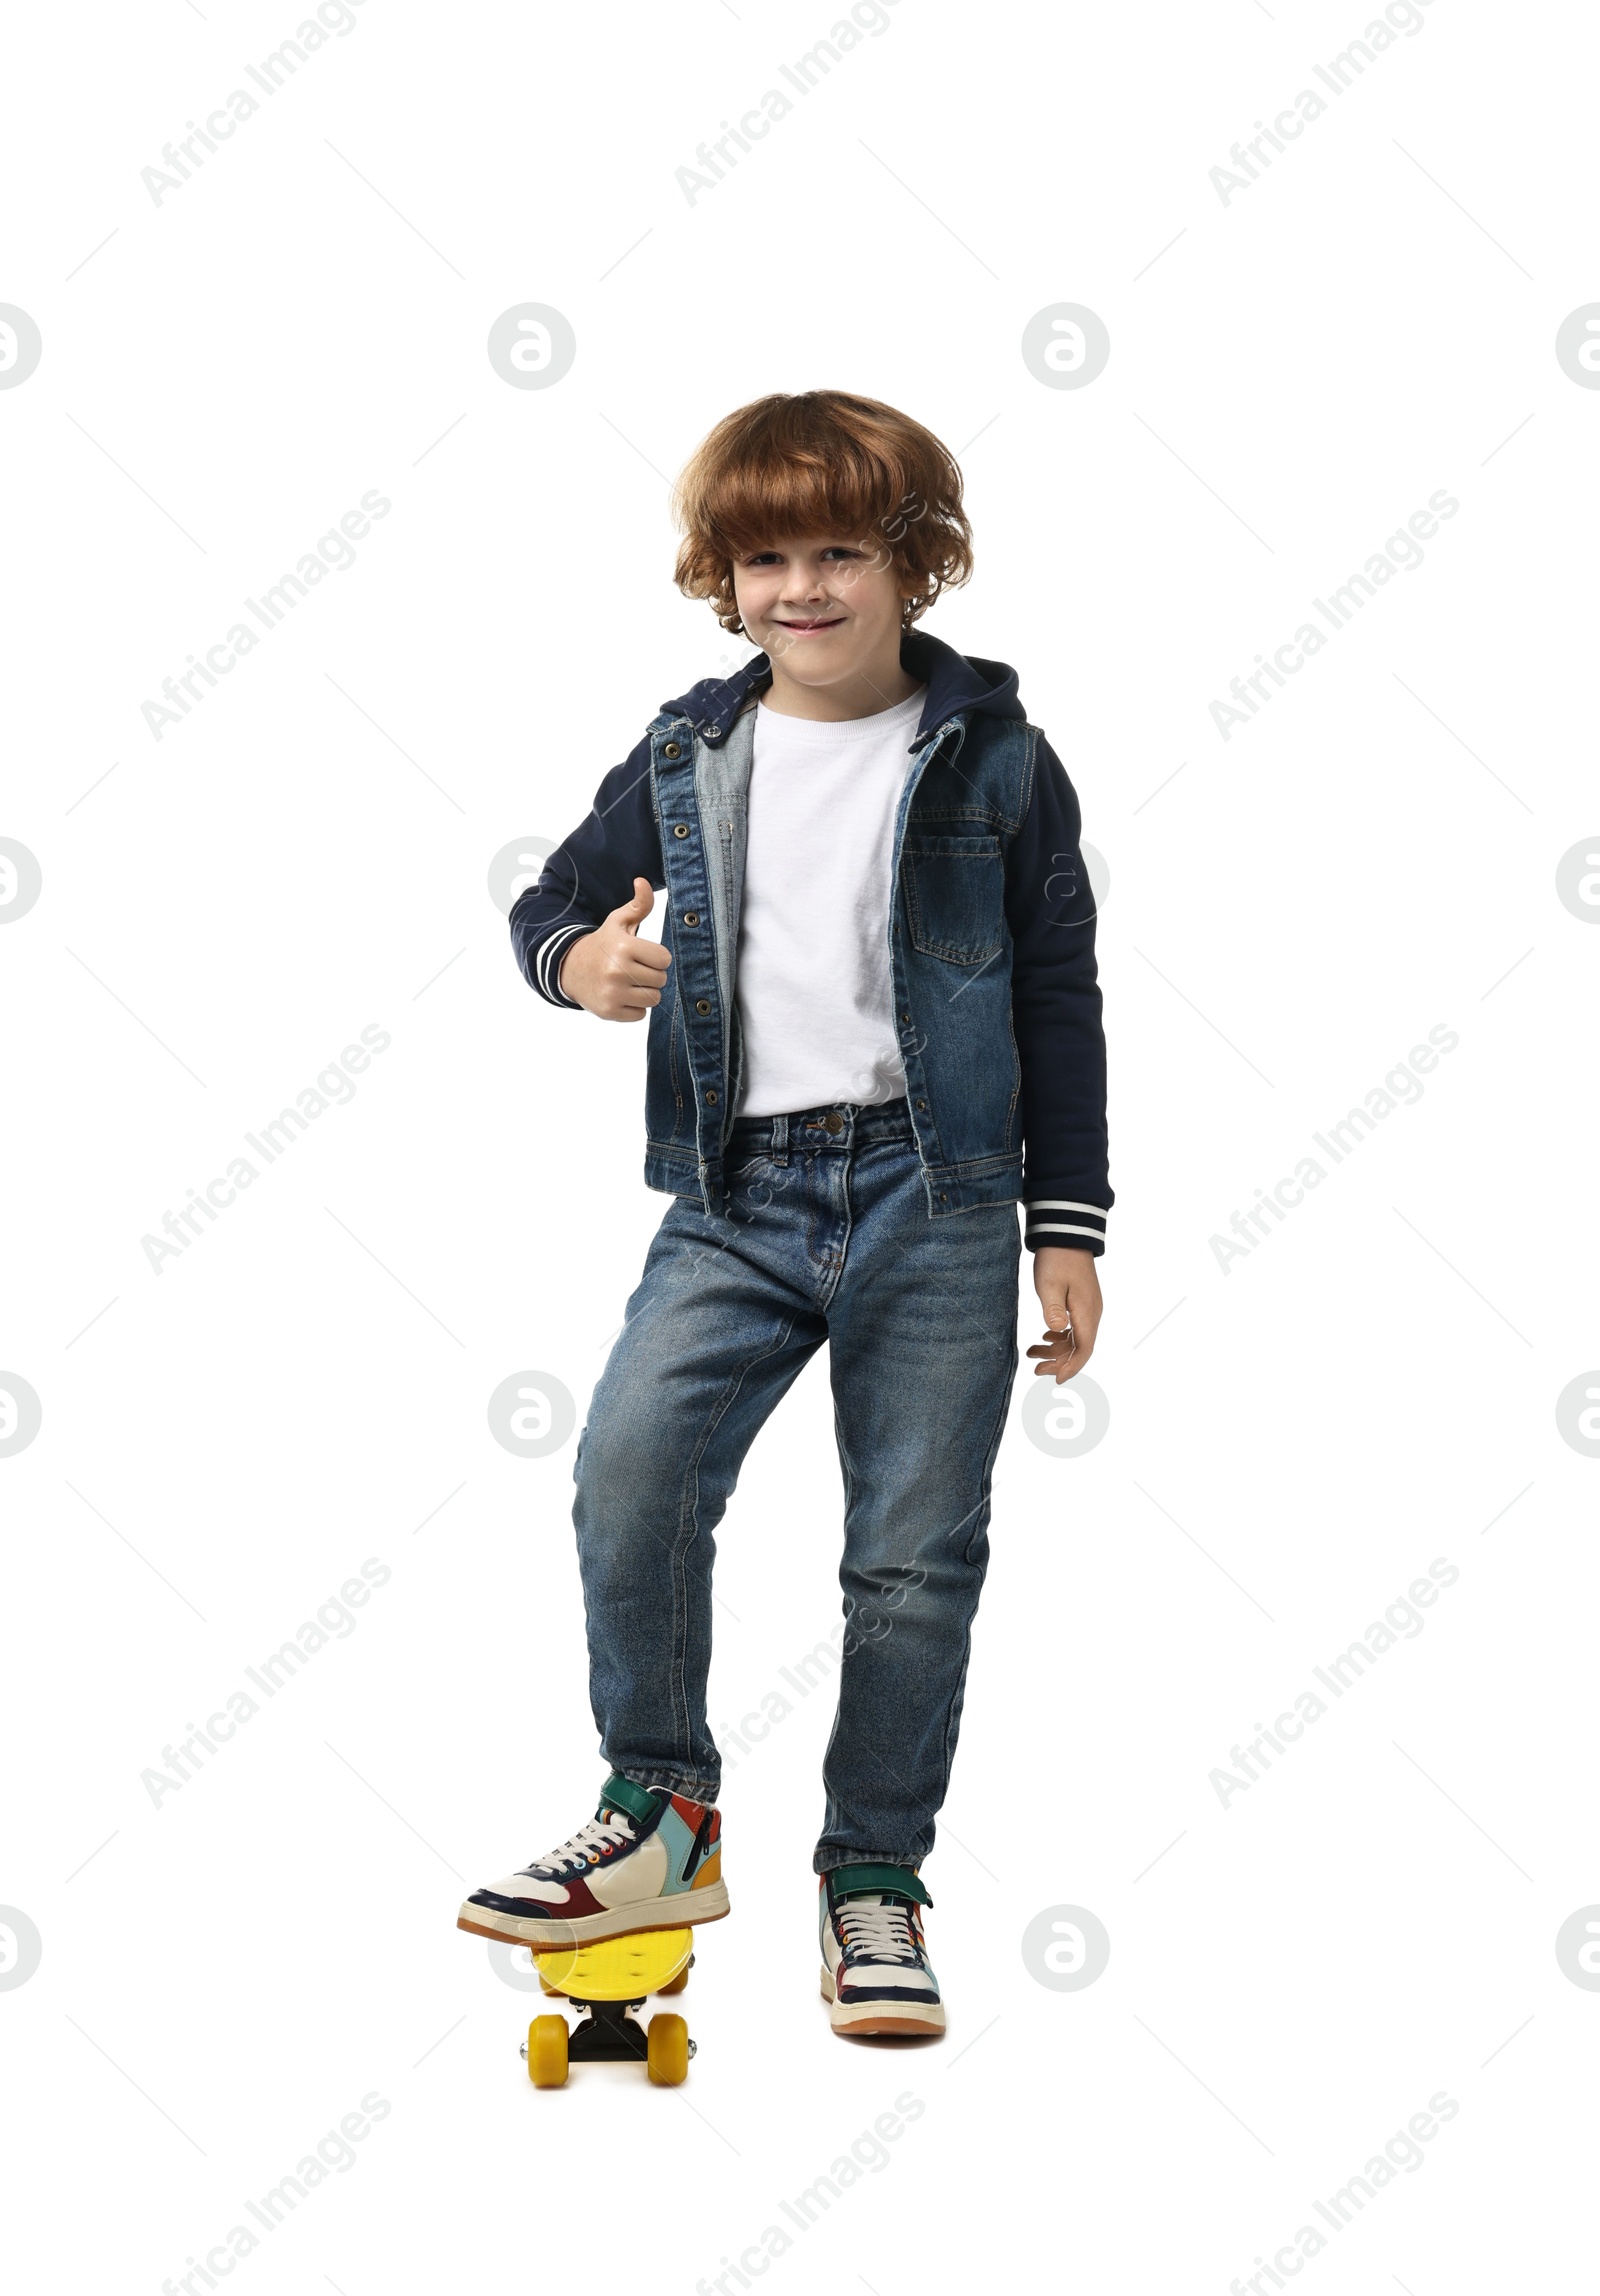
(633, 913)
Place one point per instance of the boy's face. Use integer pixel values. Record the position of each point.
(823, 611)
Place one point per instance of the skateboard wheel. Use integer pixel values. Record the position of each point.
(675, 1984)
(666, 2047)
(547, 2052)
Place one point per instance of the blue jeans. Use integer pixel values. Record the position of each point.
(829, 1238)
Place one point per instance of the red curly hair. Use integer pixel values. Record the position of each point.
(821, 462)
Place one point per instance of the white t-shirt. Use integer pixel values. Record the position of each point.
(816, 995)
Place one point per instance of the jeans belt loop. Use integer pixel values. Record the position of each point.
(780, 1139)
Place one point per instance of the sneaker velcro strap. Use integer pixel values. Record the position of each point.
(619, 1793)
(901, 1881)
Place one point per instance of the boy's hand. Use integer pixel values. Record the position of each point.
(610, 971)
(1069, 1293)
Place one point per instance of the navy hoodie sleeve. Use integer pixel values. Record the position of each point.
(1055, 1005)
(588, 875)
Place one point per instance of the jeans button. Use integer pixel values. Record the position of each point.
(833, 1122)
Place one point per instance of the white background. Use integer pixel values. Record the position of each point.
(1291, 1442)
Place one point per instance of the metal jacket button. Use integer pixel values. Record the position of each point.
(672, 750)
(681, 830)
(702, 1004)
(712, 1099)
(691, 916)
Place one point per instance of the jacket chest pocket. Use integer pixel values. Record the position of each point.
(955, 896)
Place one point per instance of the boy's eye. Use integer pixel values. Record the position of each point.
(773, 557)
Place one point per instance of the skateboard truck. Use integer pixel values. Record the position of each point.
(607, 2033)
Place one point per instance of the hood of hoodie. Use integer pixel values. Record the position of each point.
(957, 685)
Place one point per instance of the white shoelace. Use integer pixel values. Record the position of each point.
(880, 1932)
(599, 1834)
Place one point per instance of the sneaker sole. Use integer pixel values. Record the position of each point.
(685, 1911)
(872, 2017)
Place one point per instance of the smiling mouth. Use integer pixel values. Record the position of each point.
(810, 629)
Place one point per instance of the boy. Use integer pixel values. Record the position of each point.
(876, 990)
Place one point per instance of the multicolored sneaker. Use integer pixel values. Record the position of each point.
(647, 1859)
(875, 1968)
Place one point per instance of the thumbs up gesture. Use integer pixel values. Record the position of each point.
(611, 972)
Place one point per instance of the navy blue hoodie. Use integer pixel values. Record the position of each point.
(982, 768)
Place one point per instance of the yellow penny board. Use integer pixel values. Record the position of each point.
(617, 1968)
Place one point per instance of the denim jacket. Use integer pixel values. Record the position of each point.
(996, 999)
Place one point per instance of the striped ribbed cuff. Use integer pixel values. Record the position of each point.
(1056, 1220)
(547, 964)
